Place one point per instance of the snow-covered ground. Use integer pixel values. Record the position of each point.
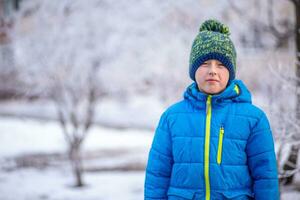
(24, 136)
(55, 184)
(139, 111)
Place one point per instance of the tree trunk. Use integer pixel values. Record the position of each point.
(293, 156)
(297, 37)
(76, 164)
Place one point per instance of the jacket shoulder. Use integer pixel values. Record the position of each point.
(179, 107)
(249, 110)
(254, 115)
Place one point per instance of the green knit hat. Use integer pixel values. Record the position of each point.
(213, 42)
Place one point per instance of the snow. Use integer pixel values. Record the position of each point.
(154, 36)
(55, 184)
(138, 111)
(27, 136)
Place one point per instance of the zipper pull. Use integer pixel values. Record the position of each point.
(222, 130)
(220, 145)
(208, 103)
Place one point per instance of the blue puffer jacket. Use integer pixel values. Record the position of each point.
(213, 147)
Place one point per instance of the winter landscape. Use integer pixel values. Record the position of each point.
(83, 85)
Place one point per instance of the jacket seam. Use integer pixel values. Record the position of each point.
(275, 178)
(150, 172)
(261, 130)
(227, 138)
(186, 163)
(245, 116)
(163, 130)
(244, 188)
(160, 198)
(154, 149)
(258, 120)
(251, 128)
(271, 150)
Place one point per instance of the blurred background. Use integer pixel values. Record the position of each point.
(83, 84)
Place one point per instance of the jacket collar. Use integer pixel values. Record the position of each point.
(236, 91)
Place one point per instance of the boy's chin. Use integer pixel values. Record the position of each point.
(212, 91)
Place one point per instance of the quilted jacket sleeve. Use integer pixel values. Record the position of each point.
(160, 163)
(262, 161)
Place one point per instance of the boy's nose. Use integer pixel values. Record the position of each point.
(212, 70)
(212, 73)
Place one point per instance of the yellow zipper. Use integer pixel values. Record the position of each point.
(221, 135)
(206, 150)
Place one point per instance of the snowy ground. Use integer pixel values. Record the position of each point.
(55, 184)
(139, 111)
(31, 137)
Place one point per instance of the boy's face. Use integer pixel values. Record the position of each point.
(212, 77)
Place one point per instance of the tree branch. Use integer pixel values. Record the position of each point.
(296, 2)
(63, 123)
(238, 10)
(288, 32)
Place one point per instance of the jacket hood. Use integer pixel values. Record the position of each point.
(235, 92)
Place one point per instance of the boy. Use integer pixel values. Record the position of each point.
(214, 144)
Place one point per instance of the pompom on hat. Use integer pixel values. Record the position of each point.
(213, 42)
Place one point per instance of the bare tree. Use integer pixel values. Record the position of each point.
(61, 62)
(8, 73)
(75, 107)
(283, 29)
(283, 116)
(291, 163)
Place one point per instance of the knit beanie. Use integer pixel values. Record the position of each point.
(213, 42)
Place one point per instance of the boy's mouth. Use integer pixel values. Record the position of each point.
(212, 80)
